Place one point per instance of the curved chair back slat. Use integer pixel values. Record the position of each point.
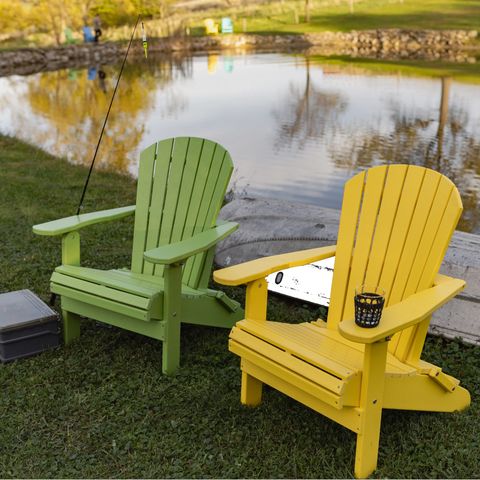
(181, 187)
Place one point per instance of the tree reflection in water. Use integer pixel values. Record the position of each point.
(445, 144)
(324, 131)
(306, 114)
(75, 104)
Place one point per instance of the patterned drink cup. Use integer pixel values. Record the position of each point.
(369, 301)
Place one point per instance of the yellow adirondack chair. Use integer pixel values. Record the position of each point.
(394, 230)
(211, 27)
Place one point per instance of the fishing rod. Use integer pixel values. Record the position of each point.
(144, 39)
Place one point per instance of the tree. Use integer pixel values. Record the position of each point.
(52, 16)
(13, 17)
(115, 12)
(307, 11)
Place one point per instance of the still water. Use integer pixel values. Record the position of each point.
(296, 127)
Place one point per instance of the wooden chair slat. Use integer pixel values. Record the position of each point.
(352, 200)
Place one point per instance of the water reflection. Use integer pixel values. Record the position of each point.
(296, 128)
(306, 113)
(72, 104)
(445, 144)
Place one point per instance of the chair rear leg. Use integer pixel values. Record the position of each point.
(251, 393)
(71, 326)
(371, 403)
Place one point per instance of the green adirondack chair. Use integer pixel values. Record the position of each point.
(181, 187)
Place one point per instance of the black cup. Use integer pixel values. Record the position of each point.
(369, 303)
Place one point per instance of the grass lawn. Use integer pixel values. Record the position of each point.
(288, 16)
(367, 14)
(101, 407)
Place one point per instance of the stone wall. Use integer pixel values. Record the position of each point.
(395, 43)
(391, 43)
(26, 61)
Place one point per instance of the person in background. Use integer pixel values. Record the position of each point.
(87, 31)
(87, 34)
(97, 26)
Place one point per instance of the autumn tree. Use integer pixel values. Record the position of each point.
(13, 17)
(75, 105)
(51, 17)
(121, 12)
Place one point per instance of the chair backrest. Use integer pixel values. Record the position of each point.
(227, 25)
(395, 227)
(181, 187)
(210, 26)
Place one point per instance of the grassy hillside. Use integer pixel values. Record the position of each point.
(289, 16)
(371, 14)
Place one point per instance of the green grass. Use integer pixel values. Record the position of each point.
(368, 14)
(287, 16)
(101, 408)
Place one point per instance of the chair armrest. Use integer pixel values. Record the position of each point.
(260, 268)
(178, 252)
(76, 222)
(406, 313)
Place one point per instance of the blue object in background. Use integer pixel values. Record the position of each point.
(92, 73)
(227, 25)
(87, 34)
(228, 64)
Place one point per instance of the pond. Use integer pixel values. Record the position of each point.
(297, 127)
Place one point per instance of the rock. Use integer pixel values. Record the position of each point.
(413, 46)
(387, 43)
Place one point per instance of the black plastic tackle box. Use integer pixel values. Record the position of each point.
(27, 325)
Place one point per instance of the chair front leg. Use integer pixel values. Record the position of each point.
(255, 309)
(171, 312)
(256, 300)
(251, 393)
(371, 403)
(70, 256)
(71, 326)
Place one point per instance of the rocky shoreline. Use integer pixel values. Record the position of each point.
(388, 44)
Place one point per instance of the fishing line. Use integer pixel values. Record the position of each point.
(80, 205)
